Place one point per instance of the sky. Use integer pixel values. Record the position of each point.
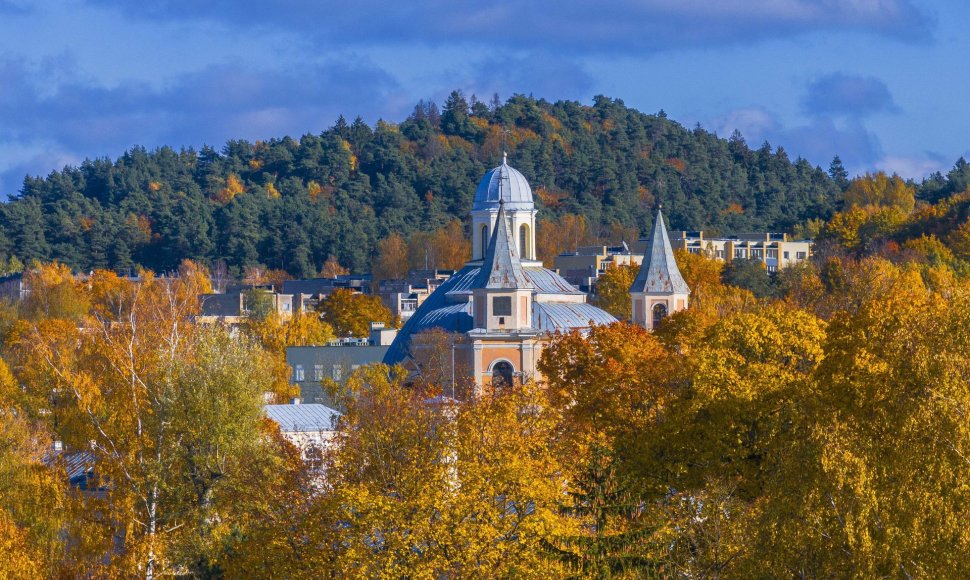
(881, 83)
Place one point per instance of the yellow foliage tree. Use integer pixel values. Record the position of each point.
(392, 258)
(613, 290)
(350, 313)
(425, 490)
(881, 190)
(167, 409)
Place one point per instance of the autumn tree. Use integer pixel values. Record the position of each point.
(880, 190)
(392, 258)
(166, 409)
(332, 268)
(350, 313)
(466, 490)
(613, 290)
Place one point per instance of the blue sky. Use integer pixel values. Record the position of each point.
(882, 83)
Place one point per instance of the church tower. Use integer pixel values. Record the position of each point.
(504, 184)
(659, 290)
(503, 339)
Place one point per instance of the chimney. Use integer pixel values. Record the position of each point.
(295, 401)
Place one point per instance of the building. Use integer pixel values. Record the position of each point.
(659, 290)
(335, 361)
(309, 427)
(403, 297)
(502, 306)
(234, 308)
(583, 267)
(775, 251)
(308, 293)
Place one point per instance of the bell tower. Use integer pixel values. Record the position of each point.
(659, 289)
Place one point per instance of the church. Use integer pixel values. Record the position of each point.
(503, 305)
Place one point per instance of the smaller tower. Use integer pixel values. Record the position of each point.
(502, 294)
(659, 290)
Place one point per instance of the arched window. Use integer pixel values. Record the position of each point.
(659, 313)
(524, 242)
(502, 374)
(484, 240)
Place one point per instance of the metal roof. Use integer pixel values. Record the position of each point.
(565, 316)
(503, 183)
(309, 418)
(501, 267)
(658, 272)
(542, 280)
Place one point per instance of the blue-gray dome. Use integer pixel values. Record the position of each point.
(503, 182)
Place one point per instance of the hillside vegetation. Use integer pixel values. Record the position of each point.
(291, 203)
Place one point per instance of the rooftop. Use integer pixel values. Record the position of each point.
(309, 418)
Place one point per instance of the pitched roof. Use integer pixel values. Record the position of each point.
(309, 418)
(501, 267)
(658, 272)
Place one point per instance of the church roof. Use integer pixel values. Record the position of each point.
(658, 272)
(440, 310)
(501, 267)
(504, 183)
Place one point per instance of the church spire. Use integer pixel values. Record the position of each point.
(501, 266)
(659, 274)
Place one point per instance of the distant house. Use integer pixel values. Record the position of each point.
(775, 251)
(336, 360)
(403, 297)
(234, 307)
(309, 427)
(308, 293)
(12, 287)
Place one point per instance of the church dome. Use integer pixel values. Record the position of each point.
(505, 183)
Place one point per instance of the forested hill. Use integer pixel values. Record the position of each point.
(290, 203)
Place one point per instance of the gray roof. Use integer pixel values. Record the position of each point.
(658, 272)
(221, 304)
(542, 280)
(565, 316)
(501, 267)
(503, 183)
(309, 418)
(441, 311)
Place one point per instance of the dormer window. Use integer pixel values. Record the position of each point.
(502, 306)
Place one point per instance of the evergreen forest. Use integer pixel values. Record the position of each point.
(292, 203)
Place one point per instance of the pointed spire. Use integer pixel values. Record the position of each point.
(501, 267)
(505, 158)
(658, 272)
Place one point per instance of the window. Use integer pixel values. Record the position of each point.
(799, 255)
(318, 372)
(659, 313)
(502, 306)
(694, 250)
(298, 373)
(503, 373)
(740, 253)
(336, 372)
(785, 255)
(484, 239)
(719, 254)
(772, 268)
(757, 254)
(524, 242)
(773, 254)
